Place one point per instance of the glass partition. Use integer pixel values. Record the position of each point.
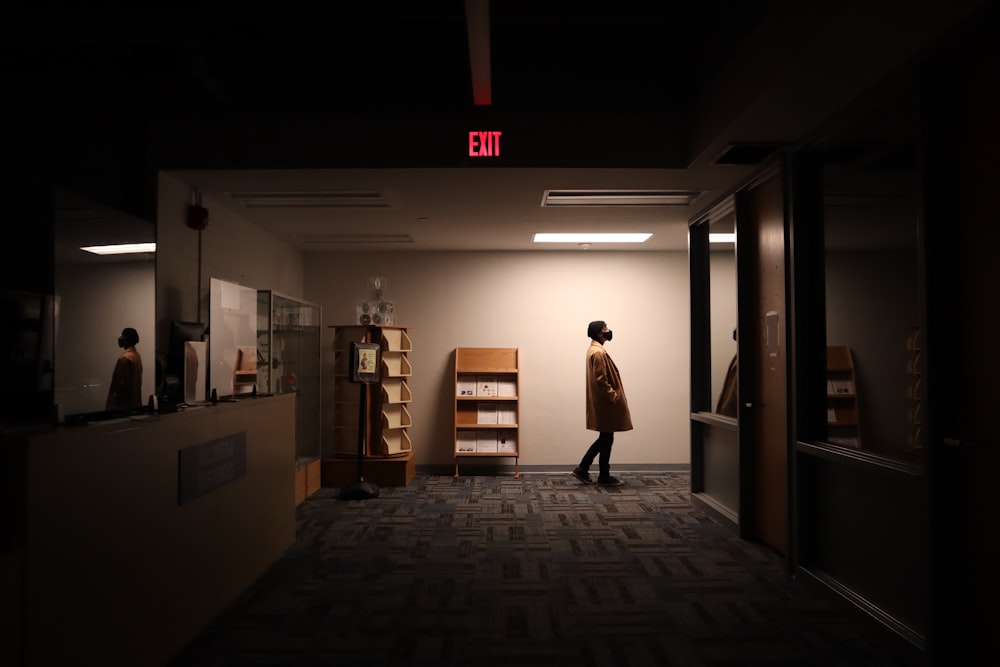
(871, 212)
(96, 296)
(232, 339)
(722, 284)
(288, 345)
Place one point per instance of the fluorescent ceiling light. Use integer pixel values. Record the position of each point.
(722, 238)
(619, 197)
(120, 249)
(591, 238)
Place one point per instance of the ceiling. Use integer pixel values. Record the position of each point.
(714, 75)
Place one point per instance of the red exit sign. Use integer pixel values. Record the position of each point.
(484, 144)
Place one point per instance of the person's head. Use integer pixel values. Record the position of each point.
(598, 330)
(129, 337)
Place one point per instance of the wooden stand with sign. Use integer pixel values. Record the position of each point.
(385, 419)
(364, 370)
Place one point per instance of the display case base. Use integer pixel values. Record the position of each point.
(395, 471)
(307, 479)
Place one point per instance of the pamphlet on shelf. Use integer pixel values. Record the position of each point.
(842, 387)
(486, 441)
(507, 442)
(466, 387)
(507, 387)
(487, 413)
(506, 414)
(465, 442)
(486, 385)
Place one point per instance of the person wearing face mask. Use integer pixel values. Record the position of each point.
(125, 391)
(607, 407)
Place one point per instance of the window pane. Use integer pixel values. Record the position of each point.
(722, 279)
(871, 216)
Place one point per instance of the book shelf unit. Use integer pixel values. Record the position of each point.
(387, 420)
(487, 395)
(843, 425)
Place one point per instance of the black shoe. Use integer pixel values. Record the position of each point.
(583, 475)
(609, 481)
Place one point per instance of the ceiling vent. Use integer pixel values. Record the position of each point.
(745, 154)
(312, 199)
(619, 198)
(351, 239)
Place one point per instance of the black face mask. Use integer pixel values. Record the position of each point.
(607, 334)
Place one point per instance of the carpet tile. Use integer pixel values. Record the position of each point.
(540, 570)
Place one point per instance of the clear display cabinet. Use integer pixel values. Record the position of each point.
(288, 356)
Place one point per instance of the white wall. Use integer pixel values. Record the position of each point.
(541, 303)
(723, 308)
(232, 249)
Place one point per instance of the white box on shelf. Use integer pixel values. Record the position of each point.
(465, 442)
(507, 442)
(506, 414)
(487, 413)
(486, 442)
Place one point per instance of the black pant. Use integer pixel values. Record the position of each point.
(602, 450)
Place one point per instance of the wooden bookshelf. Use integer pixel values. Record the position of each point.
(487, 404)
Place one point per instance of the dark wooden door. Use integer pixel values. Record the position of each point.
(768, 474)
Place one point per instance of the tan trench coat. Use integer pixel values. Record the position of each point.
(607, 407)
(125, 390)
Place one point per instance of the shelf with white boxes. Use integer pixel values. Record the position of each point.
(487, 403)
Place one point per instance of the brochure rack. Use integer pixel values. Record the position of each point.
(487, 394)
(843, 423)
(388, 420)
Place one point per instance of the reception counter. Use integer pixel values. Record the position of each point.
(139, 532)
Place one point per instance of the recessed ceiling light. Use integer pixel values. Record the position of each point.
(120, 249)
(591, 238)
(619, 197)
(722, 238)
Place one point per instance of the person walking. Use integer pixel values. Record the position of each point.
(607, 407)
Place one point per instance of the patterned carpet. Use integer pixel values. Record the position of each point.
(541, 570)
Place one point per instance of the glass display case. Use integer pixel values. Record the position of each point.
(288, 351)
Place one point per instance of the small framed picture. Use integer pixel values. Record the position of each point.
(365, 362)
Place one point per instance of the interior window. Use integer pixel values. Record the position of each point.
(871, 216)
(722, 279)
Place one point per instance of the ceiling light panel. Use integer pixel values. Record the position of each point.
(619, 197)
(120, 248)
(582, 237)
